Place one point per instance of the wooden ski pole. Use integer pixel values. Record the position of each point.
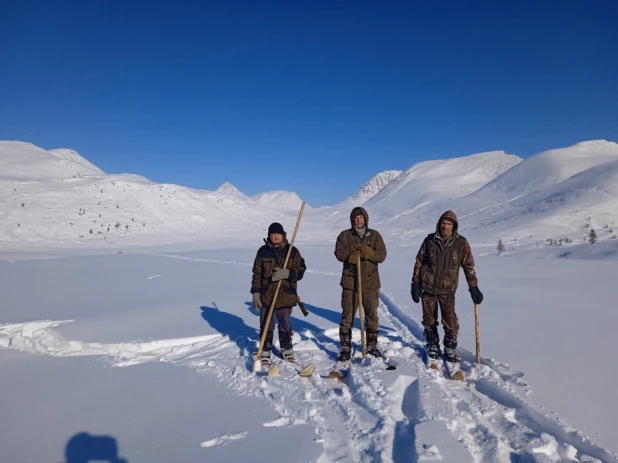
(478, 334)
(361, 309)
(257, 364)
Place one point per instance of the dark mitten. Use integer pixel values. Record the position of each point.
(416, 292)
(477, 295)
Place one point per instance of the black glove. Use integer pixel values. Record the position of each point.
(477, 295)
(416, 292)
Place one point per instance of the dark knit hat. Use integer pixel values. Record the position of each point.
(275, 228)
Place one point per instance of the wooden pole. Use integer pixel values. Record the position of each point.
(361, 309)
(478, 334)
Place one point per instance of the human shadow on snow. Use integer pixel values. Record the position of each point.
(234, 327)
(84, 447)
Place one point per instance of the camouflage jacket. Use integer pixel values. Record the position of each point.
(268, 257)
(438, 261)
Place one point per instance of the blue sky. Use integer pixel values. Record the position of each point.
(314, 97)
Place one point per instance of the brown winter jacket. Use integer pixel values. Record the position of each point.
(346, 242)
(268, 257)
(437, 262)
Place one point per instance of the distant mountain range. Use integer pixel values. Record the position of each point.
(58, 198)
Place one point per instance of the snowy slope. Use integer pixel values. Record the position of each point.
(24, 160)
(555, 194)
(431, 181)
(548, 168)
(285, 201)
(230, 190)
(57, 198)
(569, 208)
(371, 188)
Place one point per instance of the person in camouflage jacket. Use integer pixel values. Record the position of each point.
(267, 271)
(359, 241)
(435, 281)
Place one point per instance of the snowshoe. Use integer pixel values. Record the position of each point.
(454, 371)
(433, 356)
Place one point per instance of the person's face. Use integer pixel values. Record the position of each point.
(446, 228)
(276, 238)
(359, 221)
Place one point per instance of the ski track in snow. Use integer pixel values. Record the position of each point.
(413, 414)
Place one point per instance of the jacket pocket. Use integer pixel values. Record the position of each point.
(287, 289)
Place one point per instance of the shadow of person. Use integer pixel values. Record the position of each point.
(84, 447)
(234, 327)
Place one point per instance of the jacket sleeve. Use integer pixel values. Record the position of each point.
(379, 251)
(420, 258)
(467, 262)
(342, 249)
(256, 281)
(297, 267)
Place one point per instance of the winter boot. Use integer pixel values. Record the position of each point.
(372, 343)
(450, 350)
(345, 353)
(267, 349)
(433, 343)
(285, 342)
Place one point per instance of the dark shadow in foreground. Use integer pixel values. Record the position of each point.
(84, 447)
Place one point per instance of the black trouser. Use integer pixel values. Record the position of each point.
(285, 327)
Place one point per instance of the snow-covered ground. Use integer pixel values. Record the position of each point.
(154, 350)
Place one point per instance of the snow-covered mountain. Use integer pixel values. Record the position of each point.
(285, 201)
(431, 181)
(548, 168)
(557, 192)
(19, 160)
(561, 193)
(371, 188)
(230, 190)
(58, 198)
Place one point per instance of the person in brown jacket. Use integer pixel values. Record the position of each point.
(267, 271)
(435, 280)
(359, 241)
